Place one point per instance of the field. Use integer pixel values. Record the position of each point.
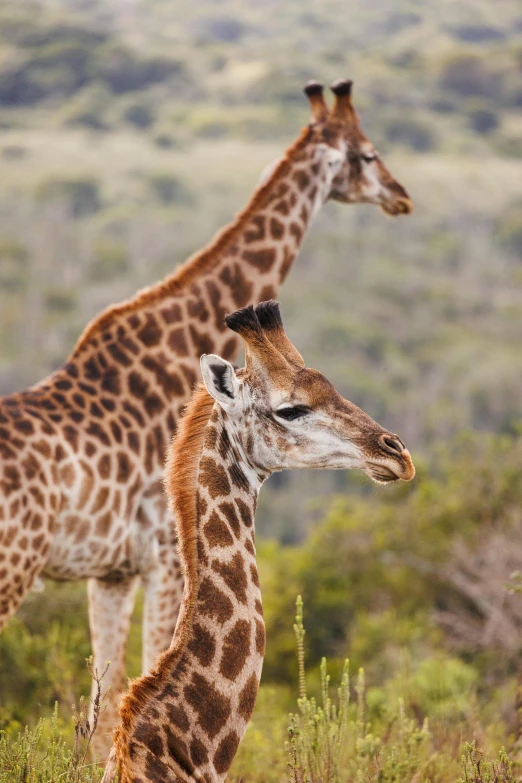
(129, 133)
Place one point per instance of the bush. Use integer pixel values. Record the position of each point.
(164, 141)
(14, 263)
(44, 755)
(82, 196)
(410, 133)
(110, 261)
(20, 85)
(509, 231)
(124, 71)
(317, 733)
(477, 33)
(139, 115)
(465, 75)
(337, 743)
(169, 189)
(477, 768)
(222, 28)
(482, 120)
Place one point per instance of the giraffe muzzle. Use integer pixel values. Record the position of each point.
(394, 463)
(396, 207)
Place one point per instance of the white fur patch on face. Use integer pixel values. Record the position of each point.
(331, 160)
(372, 185)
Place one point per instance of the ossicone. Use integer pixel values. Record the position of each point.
(244, 321)
(269, 315)
(314, 92)
(342, 87)
(313, 88)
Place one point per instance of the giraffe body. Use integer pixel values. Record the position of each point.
(82, 452)
(184, 721)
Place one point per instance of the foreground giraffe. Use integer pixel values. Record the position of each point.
(82, 452)
(184, 721)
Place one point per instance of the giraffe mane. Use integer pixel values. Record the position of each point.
(200, 261)
(181, 480)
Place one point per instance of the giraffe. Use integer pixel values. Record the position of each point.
(82, 451)
(183, 721)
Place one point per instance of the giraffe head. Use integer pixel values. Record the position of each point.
(361, 174)
(285, 415)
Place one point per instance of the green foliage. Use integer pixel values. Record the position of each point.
(330, 743)
(261, 756)
(110, 261)
(377, 573)
(509, 230)
(43, 755)
(81, 195)
(479, 769)
(42, 651)
(139, 114)
(31, 758)
(482, 119)
(14, 259)
(468, 75)
(410, 133)
(318, 733)
(169, 189)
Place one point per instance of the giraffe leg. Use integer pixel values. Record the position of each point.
(163, 586)
(24, 548)
(110, 610)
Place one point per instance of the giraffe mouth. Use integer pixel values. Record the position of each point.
(395, 208)
(381, 473)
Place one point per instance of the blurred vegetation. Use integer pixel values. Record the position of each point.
(366, 733)
(129, 133)
(409, 582)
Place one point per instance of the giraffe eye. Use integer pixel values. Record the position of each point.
(368, 157)
(292, 413)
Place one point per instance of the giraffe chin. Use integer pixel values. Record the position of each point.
(396, 208)
(381, 474)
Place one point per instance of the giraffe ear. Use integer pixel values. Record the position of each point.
(220, 379)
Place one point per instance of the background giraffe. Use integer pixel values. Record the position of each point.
(83, 451)
(185, 720)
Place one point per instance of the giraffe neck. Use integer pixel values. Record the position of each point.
(134, 368)
(188, 716)
(246, 262)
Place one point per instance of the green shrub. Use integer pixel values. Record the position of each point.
(343, 743)
(46, 755)
(139, 115)
(509, 230)
(410, 133)
(110, 260)
(169, 189)
(328, 744)
(317, 732)
(467, 75)
(482, 120)
(478, 768)
(123, 70)
(81, 195)
(14, 264)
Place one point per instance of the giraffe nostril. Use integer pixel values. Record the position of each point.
(405, 206)
(392, 444)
